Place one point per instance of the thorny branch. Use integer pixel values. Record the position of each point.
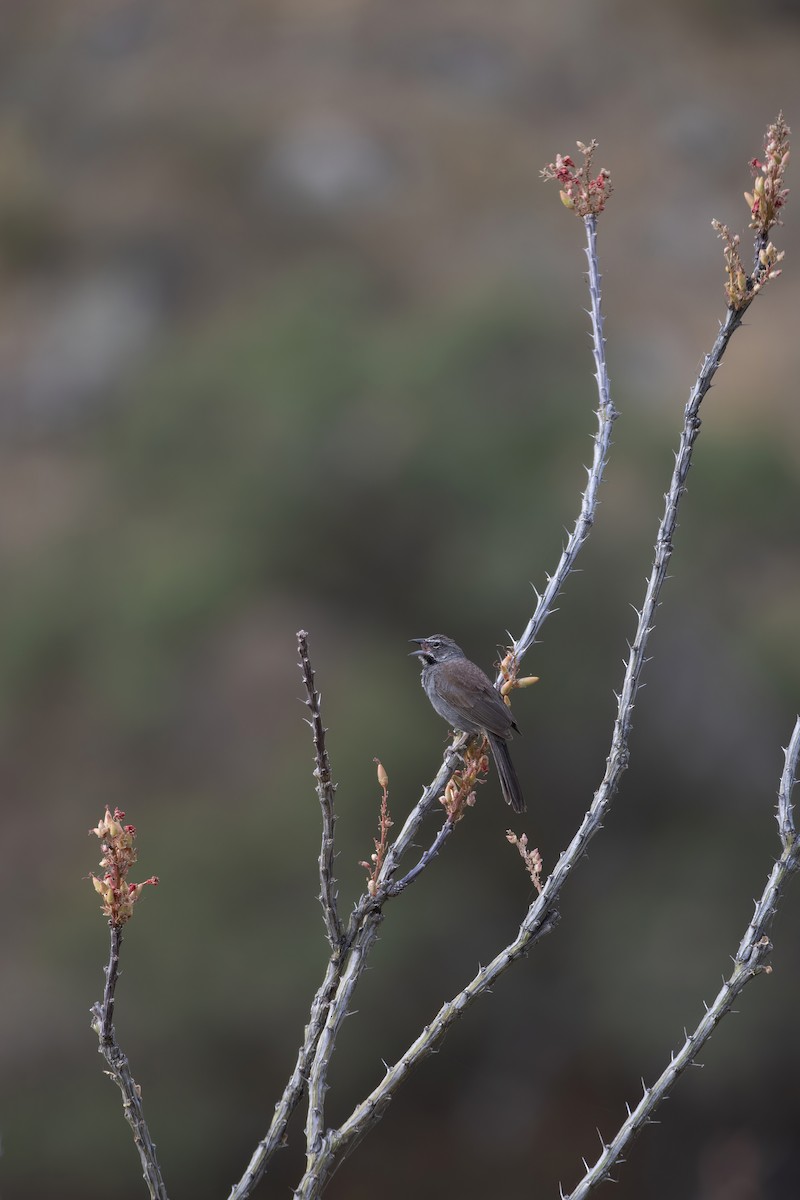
(400, 885)
(754, 949)
(120, 1072)
(785, 813)
(606, 416)
(326, 790)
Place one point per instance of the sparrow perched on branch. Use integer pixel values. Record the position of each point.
(468, 700)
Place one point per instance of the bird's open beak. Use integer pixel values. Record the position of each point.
(417, 653)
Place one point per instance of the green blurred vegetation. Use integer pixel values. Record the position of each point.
(253, 455)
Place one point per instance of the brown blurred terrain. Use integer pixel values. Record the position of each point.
(291, 335)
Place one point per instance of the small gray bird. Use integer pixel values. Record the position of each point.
(468, 700)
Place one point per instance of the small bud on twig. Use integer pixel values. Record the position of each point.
(381, 843)
(765, 202)
(508, 671)
(769, 195)
(531, 858)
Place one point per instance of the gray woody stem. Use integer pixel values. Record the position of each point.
(326, 790)
(298, 1080)
(785, 814)
(401, 884)
(119, 1069)
(749, 962)
(542, 914)
(606, 416)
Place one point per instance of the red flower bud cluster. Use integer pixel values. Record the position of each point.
(586, 194)
(769, 195)
(119, 854)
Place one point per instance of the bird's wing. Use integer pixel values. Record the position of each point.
(479, 700)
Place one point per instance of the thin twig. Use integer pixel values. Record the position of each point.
(105, 1010)
(119, 1070)
(606, 416)
(618, 758)
(326, 790)
(394, 889)
(297, 1083)
(754, 948)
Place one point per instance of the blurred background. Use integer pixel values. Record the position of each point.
(292, 336)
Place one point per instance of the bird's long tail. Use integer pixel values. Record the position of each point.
(512, 792)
